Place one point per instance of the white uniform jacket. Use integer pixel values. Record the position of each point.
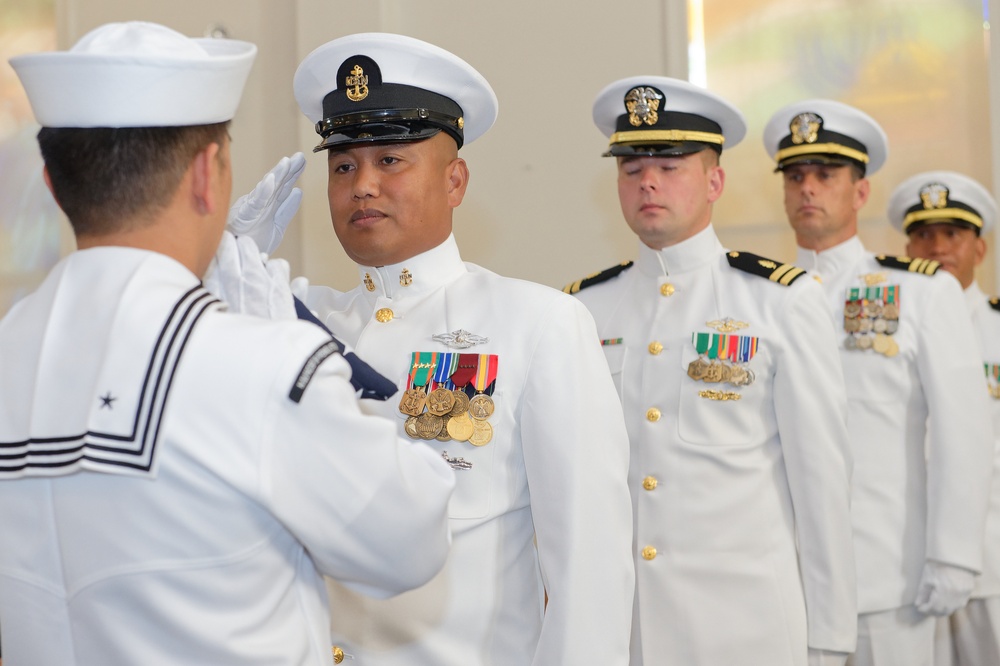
(165, 500)
(555, 472)
(986, 322)
(725, 478)
(911, 502)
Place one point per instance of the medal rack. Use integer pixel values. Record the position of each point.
(871, 317)
(449, 397)
(722, 359)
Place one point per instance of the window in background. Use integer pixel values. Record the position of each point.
(919, 67)
(31, 226)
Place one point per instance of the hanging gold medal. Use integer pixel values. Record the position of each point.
(461, 427)
(441, 398)
(444, 436)
(698, 368)
(412, 402)
(482, 433)
(481, 405)
(415, 397)
(461, 405)
(411, 427)
(428, 425)
(440, 401)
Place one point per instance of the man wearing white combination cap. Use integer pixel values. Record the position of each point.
(917, 413)
(503, 378)
(734, 404)
(174, 479)
(945, 215)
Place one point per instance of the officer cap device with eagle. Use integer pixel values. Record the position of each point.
(822, 131)
(663, 117)
(376, 88)
(136, 74)
(942, 197)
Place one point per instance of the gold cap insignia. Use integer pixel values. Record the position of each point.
(642, 105)
(356, 84)
(934, 195)
(805, 128)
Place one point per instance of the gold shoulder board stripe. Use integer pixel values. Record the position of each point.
(596, 278)
(784, 274)
(923, 266)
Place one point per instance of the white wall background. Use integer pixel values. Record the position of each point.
(542, 204)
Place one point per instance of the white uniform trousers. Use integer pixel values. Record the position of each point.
(898, 637)
(970, 636)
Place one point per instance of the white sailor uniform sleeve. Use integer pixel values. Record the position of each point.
(576, 458)
(810, 406)
(369, 507)
(959, 435)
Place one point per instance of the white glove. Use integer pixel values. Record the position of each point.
(264, 214)
(300, 288)
(248, 282)
(819, 657)
(944, 588)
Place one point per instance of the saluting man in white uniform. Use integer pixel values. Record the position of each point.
(504, 379)
(945, 215)
(917, 414)
(734, 402)
(175, 479)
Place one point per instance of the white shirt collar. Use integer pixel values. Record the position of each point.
(832, 261)
(687, 255)
(414, 277)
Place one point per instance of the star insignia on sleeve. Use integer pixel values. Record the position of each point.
(106, 400)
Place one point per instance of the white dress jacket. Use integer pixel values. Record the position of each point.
(740, 493)
(986, 321)
(919, 426)
(174, 479)
(542, 507)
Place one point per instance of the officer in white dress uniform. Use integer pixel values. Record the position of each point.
(945, 215)
(734, 402)
(503, 378)
(907, 348)
(175, 479)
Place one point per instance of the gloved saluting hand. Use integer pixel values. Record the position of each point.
(248, 281)
(264, 214)
(944, 588)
